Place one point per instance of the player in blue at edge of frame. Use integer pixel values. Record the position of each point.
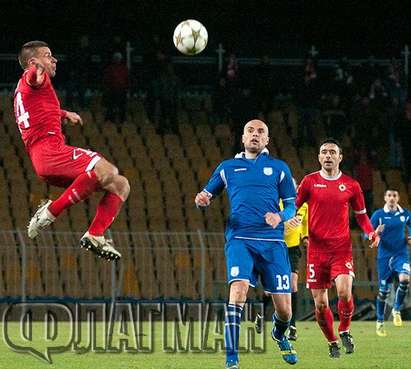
(255, 183)
(392, 257)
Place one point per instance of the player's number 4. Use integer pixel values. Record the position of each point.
(283, 282)
(21, 113)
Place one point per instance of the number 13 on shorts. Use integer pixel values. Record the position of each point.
(283, 282)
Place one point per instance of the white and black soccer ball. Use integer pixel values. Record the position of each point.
(190, 37)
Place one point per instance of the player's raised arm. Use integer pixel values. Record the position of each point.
(35, 75)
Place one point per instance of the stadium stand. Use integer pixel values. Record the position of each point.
(165, 172)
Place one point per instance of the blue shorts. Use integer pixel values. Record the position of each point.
(248, 259)
(391, 265)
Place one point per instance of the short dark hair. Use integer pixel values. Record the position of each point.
(393, 189)
(331, 140)
(28, 50)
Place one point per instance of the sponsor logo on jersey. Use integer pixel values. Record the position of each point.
(342, 187)
(320, 185)
(235, 271)
(239, 169)
(268, 171)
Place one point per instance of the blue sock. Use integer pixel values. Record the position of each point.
(400, 294)
(380, 308)
(280, 327)
(232, 331)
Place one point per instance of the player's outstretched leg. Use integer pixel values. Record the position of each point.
(81, 188)
(117, 190)
(278, 335)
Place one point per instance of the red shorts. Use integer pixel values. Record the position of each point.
(323, 267)
(59, 164)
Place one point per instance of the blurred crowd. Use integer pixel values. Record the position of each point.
(364, 105)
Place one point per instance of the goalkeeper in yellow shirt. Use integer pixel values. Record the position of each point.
(294, 238)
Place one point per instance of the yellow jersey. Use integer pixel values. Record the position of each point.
(293, 236)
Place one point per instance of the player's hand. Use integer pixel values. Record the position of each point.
(202, 199)
(273, 219)
(409, 242)
(374, 237)
(294, 222)
(304, 241)
(73, 118)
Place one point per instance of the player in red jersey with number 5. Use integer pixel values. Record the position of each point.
(80, 171)
(329, 193)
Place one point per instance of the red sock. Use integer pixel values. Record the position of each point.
(81, 188)
(325, 320)
(345, 310)
(107, 210)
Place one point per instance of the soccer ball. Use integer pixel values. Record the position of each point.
(190, 37)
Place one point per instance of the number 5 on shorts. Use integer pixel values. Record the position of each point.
(311, 270)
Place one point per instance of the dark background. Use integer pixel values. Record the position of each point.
(251, 28)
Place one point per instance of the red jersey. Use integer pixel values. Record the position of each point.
(328, 203)
(37, 110)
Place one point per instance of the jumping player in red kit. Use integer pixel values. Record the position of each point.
(329, 193)
(80, 171)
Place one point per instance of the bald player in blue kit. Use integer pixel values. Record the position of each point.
(255, 182)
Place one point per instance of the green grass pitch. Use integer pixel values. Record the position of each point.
(391, 352)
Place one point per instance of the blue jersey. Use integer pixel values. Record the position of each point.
(254, 187)
(394, 236)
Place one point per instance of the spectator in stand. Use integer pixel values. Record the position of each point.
(379, 95)
(334, 119)
(79, 61)
(232, 74)
(363, 173)
(394, 83)
(263, 88)
(222, 101)
(308, 101)
(404, 133)
(165, 95)
(116, 84)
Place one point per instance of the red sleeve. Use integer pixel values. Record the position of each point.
(31, 76)
(358, 205)
(302, 193)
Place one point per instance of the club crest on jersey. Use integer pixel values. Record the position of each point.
(402, 218)
(268, 171)
(235, 271)
(342, 187)
(348, 265)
